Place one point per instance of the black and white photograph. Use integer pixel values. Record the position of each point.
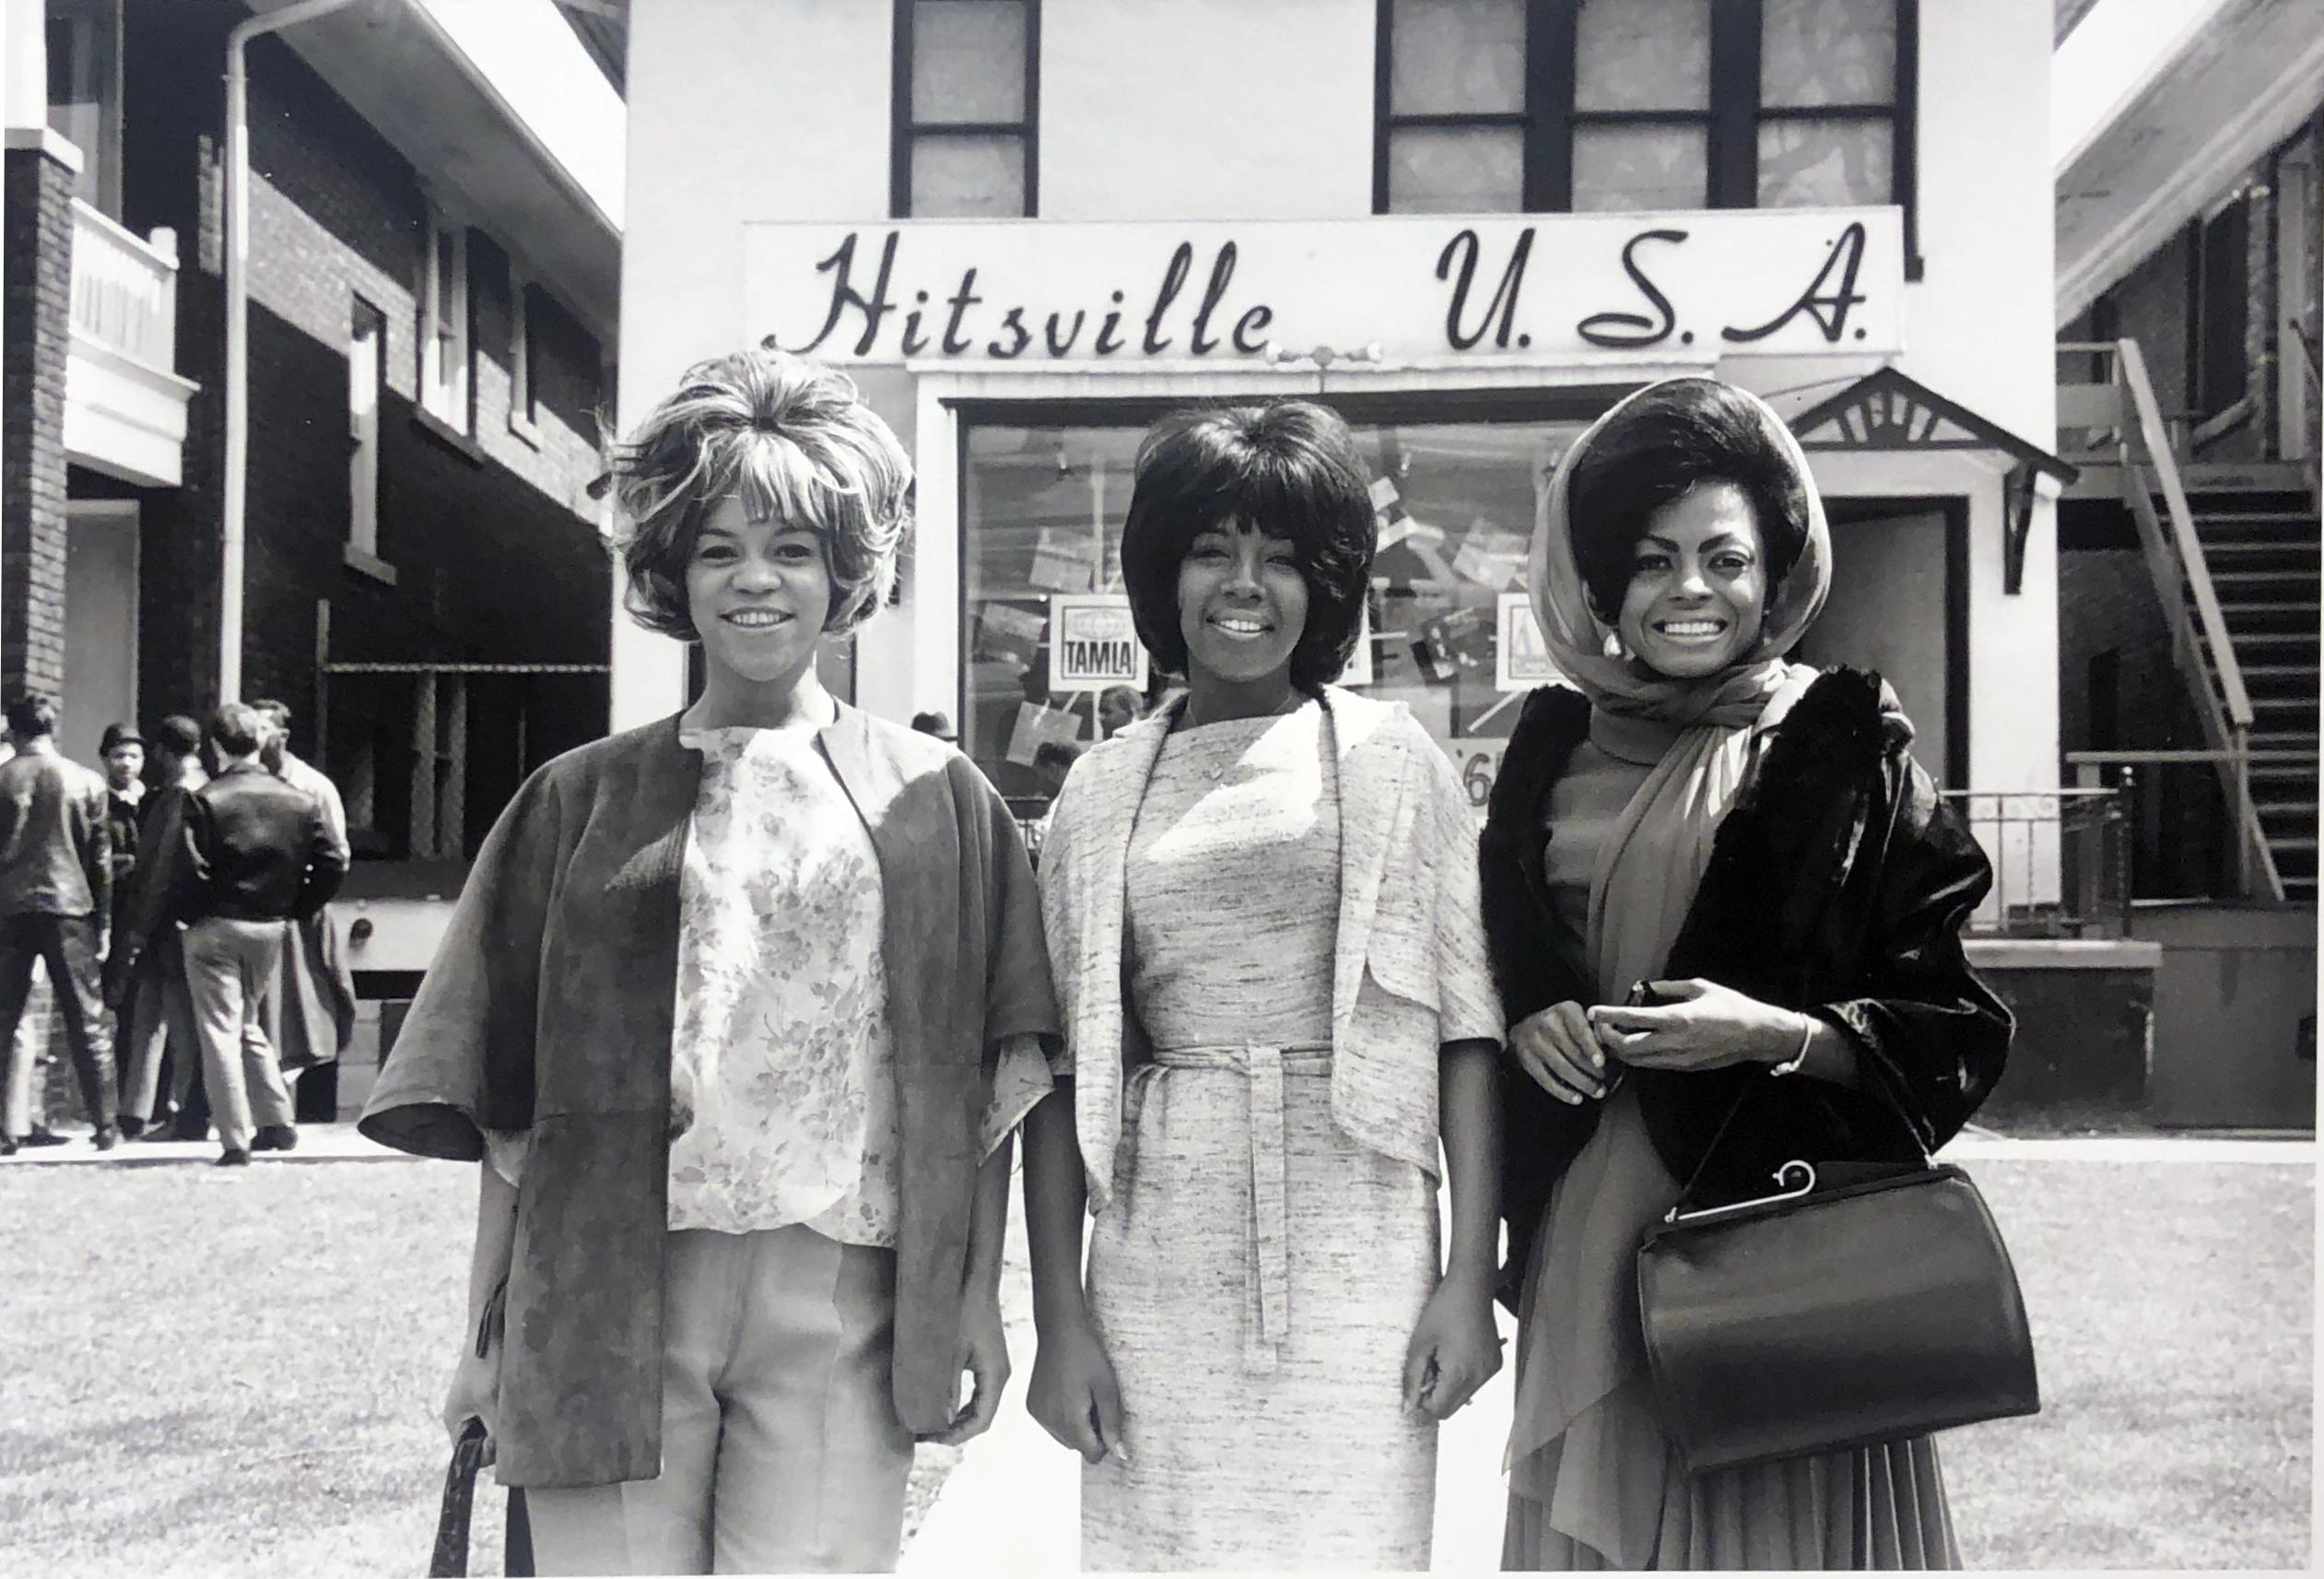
(1038, 786)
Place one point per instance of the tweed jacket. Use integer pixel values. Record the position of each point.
(1408, 882)
(1837, 885)
(549, 1008)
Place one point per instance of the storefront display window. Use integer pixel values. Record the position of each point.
(1450, 632)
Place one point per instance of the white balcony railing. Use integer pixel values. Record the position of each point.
(125, 290)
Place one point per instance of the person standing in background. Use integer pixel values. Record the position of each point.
(256, 853)
(308, 1013)
(145, 968)
(122, 750)
(56, 885)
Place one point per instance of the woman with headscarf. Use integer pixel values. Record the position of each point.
(1719, 895)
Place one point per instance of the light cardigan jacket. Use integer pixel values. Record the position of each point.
(550, 1009)
(1408, 917)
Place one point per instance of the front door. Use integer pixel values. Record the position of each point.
(101, 623)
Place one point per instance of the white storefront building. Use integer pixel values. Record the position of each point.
(1029, 228)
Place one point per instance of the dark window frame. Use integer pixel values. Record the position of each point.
(905, 134)
(1732, 120)
(2219, 298)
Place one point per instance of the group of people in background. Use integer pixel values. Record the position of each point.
(176, 906)
(741, 1011)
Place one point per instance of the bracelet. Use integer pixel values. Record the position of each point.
(1792, 1066)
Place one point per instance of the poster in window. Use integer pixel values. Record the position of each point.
(1093, 644)
(1064, 562)
(1490, 555)
(1038, 725)
(1521, 657)
(1005, 630)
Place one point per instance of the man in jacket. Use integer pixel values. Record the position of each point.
(255, 852)
(55, 887)
(145, 968)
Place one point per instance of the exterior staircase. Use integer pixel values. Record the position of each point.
(2264, 552)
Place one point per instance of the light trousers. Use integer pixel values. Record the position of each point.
(781, 1452)
(228, 966)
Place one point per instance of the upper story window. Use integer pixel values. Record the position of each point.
(83, 43)
(1583, 105)
(966, 93)
(523, 406)
(443, 324)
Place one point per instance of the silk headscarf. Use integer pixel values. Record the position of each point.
(1697, 733)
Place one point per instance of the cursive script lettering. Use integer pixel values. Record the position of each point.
(1630, 331)
(1467, 247)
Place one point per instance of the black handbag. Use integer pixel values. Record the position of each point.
(448, 1559)
(1878, 1307)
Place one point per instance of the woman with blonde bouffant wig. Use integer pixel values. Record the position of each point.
(739, 1010)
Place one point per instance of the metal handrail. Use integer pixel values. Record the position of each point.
(2174, 556)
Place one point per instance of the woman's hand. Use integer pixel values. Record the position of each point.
(984, 1354)
(1703, 1026)
(1454, 1349)
(474, 1394)
(1558, 1048)
(1074, 1393)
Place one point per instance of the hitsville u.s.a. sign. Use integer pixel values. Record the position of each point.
(1786, 282)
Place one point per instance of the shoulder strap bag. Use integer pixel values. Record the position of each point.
(1814, 1319)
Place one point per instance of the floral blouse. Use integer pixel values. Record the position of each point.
(783, 1090)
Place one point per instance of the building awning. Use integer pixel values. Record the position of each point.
(1889, 410)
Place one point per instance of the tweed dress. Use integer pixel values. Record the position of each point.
(1259, 1272)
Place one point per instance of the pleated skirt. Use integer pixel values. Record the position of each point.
(1593, 1483)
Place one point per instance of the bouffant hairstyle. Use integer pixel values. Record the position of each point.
(795, 442)
(1668, 442)
(1291, 469)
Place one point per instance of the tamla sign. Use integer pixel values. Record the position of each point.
(1786, 282)
(1093, 644)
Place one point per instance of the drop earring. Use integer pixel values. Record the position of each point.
(1612, 647)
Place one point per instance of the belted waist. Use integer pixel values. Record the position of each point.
(1268, 1272)
(1305, 1058)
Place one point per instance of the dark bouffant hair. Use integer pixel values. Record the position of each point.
(1671, 440)
(1291, 469)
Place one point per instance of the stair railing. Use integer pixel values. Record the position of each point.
(2173, 553)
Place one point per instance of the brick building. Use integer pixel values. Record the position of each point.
(432, 246)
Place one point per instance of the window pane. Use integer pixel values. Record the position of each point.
(1642, 55)
(1443, 171)
(1456, 57)
(1809, 164)
(1042, 514)
(968, 177)
(1639, 167)
(1828, 51)
(967, 60)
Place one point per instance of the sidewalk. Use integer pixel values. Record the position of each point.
(317, 1143)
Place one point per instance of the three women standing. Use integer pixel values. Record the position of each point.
(1261, 912)
(740, 1008)
(1748, 842)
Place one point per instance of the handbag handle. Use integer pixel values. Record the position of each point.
(1686, 1191)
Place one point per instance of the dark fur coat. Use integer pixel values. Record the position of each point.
(1837, 883)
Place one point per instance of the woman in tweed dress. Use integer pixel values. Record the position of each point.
(1262, 906)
